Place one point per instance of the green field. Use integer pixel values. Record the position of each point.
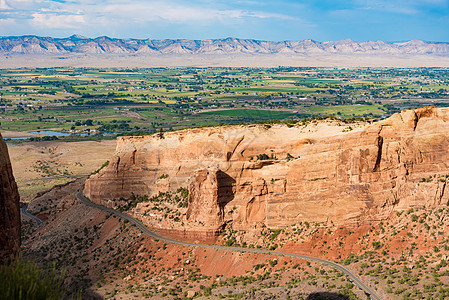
(349, 110)
(145, 100)
(252, 113)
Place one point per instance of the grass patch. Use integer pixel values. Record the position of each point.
(252, 113)
(27, 280)
(347, 110)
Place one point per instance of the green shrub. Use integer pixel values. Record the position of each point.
(104, 165)
(263, 156)
(377, 245)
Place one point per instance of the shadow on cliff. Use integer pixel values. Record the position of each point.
(327, 296)
(225, 187)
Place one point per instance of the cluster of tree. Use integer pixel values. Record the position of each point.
(85, 123)
(120, 126)
(44, 138)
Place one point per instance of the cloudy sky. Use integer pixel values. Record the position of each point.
(360, 20)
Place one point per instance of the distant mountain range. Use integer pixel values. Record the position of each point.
(104, 45)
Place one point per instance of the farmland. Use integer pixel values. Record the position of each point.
(101, 103)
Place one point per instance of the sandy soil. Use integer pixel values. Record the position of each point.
(237, 60)
(52, 159)
(13, 134)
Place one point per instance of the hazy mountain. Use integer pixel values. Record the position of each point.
(104, 44)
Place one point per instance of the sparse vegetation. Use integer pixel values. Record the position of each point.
(104, 165)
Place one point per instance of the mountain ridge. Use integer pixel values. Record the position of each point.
(77, 44)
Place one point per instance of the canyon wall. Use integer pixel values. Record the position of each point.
(323, 171)
(9, 207)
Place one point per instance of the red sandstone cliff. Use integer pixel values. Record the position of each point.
(322, 173)
(9, 207)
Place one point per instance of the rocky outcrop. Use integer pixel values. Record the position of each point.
(206, 201)
(278, 175)
(9, 207)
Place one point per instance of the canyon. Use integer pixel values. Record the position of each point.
(252, 177)
(10, 222)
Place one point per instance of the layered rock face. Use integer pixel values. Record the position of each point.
(321, 172)
(9, 207)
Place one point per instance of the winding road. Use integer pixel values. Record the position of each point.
(54, 177)
(353, 278)
(24, 212)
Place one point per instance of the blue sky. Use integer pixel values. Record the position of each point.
(321, 20)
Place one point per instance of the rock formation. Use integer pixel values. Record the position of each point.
(9, 207)
(278, 175)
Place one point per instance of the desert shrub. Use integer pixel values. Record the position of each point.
(104, 165)
(262, 156)
(377, 245)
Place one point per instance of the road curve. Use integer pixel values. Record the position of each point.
(24, 212)
(354, 279)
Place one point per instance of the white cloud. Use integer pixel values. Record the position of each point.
(106, 14)
(140, 17)
(52, 20)
(4, 5)
(7, 22)
(172, 12)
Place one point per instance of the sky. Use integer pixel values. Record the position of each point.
(320, 20)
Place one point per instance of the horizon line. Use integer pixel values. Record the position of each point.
(215, 39)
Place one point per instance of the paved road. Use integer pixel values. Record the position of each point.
(54, 177)
(24, 212)
(354, 279)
